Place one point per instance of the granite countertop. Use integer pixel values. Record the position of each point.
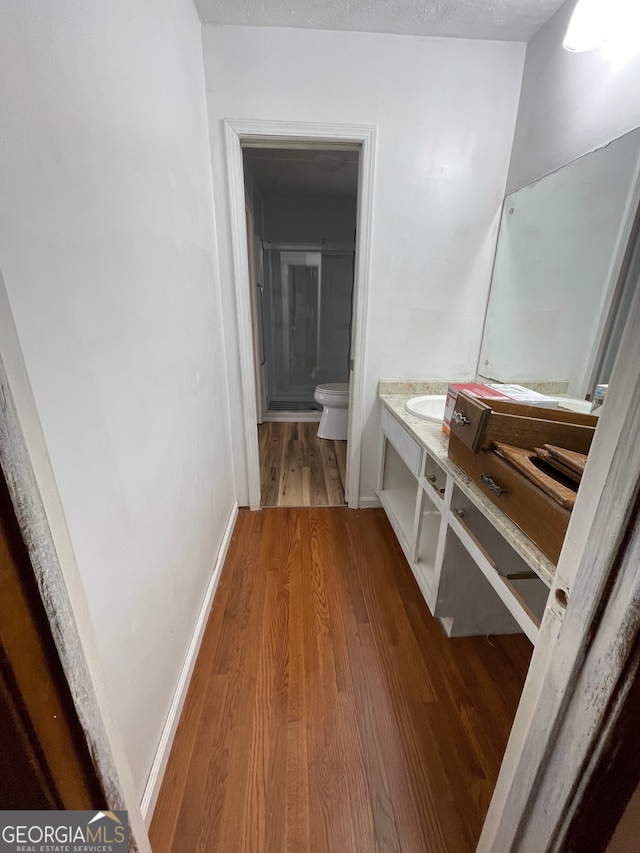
(431, 437)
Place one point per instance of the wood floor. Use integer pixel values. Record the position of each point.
(328, 712)
(299, 469)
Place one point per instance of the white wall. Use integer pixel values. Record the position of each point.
(570, 104)
(106, 245)
(445, 111)
(309, 220)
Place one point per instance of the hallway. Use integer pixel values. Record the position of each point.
(328, 712)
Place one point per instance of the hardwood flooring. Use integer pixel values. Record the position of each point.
(299, 469)
(328, 712)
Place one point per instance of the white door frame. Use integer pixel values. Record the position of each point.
(291, 135)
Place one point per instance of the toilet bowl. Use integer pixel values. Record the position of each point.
(334, 399)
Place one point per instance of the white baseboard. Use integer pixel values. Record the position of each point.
(368, 503)
(152, 788)
(291, 417)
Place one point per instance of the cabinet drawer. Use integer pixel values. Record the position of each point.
(435, 479)
(477, 423)
(542, 519)
(409, 451)
(469, 420)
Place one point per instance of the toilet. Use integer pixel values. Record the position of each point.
(334, 399)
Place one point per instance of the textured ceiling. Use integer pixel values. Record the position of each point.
(502, 20)
(294, 174)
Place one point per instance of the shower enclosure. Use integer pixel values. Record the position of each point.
(305, 307)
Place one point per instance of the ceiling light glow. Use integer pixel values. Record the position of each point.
(590, 25)
(595, 23)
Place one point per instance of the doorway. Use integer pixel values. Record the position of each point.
(301, 215)
(335, 140)
(45, 762)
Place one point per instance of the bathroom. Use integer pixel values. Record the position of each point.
(129, 375)
(301, 232)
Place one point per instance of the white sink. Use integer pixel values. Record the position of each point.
(429, 407)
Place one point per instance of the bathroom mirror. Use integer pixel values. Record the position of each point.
(558, 272)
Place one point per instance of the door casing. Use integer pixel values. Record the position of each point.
(300, 135)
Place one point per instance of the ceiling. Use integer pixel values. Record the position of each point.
(287, 173)
(501, 20)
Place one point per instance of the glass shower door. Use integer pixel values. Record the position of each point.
(296, 308)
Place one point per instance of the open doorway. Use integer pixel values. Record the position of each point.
(255, 133)
(301, 218)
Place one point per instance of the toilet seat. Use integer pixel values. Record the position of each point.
(337, 389)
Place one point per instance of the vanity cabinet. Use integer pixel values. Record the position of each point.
(414, 513)
(475, 569)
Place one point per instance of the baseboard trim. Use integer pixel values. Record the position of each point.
(152, 788)
(368, 503)
(291, 417)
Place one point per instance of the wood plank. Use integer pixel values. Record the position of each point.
(290, 488)
(306, 487)
(573, 460)
(265, 792)
(336, 746)
(335, 493)
(557, 465)
(226, 779)
(319, 495)
(328, 710)
(269, 449)
(542, 412)
(521, 459)
(407, 690)
(534, 432)
(299, 469)
(340, 451)
(297, 820)
(224, 672)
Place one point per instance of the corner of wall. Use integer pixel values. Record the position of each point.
(239, 495)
